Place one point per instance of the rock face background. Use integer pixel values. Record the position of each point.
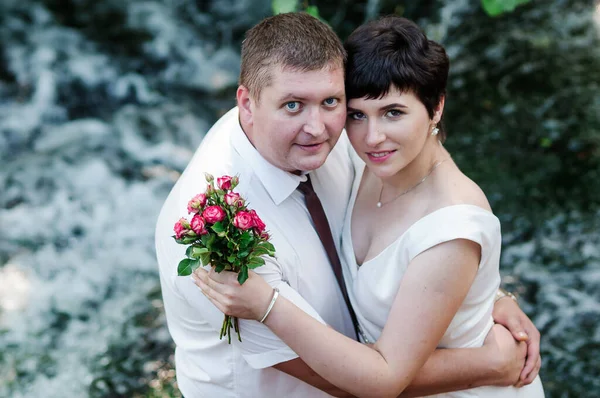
(103, 103)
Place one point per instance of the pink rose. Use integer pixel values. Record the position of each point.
(243, 220)
(181, 227)
(196, 203)
(224, 182)
(258, 223)
(198, 225)
(233, 198)
(213, 214)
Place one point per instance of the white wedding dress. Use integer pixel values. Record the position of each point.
(373, 286)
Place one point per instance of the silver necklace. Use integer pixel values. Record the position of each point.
(380, 204)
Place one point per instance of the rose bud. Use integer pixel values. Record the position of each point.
(235, 181)
(213, 214)
(224, 183)
(209, 177)
(233, 198)
(209, 190)
(180, 227)
(243, 220)
(196, 203)
(258, 223)
(198, 225)
(264, 235)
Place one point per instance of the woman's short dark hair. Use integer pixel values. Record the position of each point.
(394, 52)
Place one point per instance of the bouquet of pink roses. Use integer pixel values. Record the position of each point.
(224, 233)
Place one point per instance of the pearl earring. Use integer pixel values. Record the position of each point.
(435, 130)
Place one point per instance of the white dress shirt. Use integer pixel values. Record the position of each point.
(205, 365)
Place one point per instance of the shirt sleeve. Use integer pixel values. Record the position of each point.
(260, 347)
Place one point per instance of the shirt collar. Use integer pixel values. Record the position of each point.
(278, 183)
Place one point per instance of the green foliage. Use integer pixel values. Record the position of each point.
(498, 7)
(283, 6)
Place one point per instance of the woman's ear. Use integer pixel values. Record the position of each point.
(439, 110)
(244, 101)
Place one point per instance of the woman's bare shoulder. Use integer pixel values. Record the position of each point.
(455, 188)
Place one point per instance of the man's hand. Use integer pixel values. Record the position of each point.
(508, 314)
(508, 356)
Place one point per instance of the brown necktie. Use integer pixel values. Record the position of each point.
(322, 226)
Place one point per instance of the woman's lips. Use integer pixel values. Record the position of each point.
(379, 157)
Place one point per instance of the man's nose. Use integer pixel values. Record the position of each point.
(315, 124)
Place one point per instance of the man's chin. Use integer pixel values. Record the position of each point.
(312, 162)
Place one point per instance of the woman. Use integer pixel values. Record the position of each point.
(420, 243)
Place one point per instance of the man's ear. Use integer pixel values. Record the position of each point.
(244, 102)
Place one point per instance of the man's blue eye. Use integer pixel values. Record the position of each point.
(330, 101)
(292, 106)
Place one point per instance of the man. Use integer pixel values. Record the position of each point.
(290, 115)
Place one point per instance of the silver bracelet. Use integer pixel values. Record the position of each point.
(275, 295)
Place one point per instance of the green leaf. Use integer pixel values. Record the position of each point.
(546, 142)
(184, 268)
(243, 254)
(281, 6)
(205, 258)
(269, 247)
(188, 239)
(255, 262)
(314, 11)
(197, 251)
(219, 228)
(259, 251)
(497, 7)
(242, 275)
(245, 238)
(220, 267)
(209, 240)
(231, 259)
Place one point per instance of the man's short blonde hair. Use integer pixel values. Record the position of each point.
(297, 41)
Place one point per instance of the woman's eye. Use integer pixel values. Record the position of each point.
(356, 115)
(394, 113)
(330, 102)
(293, 106)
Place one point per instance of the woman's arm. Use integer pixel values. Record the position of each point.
(431, 292)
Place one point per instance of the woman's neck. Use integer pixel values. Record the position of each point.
(414, 172)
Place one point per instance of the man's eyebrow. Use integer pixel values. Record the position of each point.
(290, 96)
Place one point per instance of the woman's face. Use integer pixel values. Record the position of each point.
(390, 132)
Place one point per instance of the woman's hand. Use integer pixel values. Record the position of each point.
(508, 314)
(247, 301)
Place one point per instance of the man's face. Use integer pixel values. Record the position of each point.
(298, 118)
